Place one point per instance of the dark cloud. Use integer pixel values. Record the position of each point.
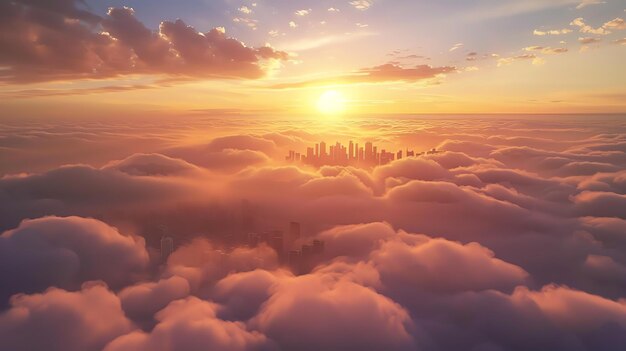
(56, 40)
(65, 252)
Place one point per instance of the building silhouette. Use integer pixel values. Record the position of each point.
(167, 247)
(352, 155)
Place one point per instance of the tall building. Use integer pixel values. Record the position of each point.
(277, 243)
(318, 247)
(167, 247)
(294, 261)
(369, 151)
(294, 233)
(253, 239)
(322, 150)
(351, 151)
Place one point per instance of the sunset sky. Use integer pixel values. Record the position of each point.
(381, 56)
(290, 175)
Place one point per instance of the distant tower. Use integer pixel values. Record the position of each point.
(369, 152)
(167, 247)
(322, 153)
(294, 233)
(351, 150)
(318, 247)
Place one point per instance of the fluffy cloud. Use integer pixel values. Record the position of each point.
(510, 237)
(369, 321)
(64, 47)
(65, 252)
(191, 324)
(85, 320)
(142, 301)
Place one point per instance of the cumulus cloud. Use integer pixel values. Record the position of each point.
(65, 252)
(603, 30)
(191, 324)
(510, 236)
(63, 46)
(369, 321)
(85, 320)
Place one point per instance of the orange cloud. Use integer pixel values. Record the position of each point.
(379, 74)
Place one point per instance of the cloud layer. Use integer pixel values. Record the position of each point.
(511, 237)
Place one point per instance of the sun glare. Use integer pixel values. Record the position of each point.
(331, 102)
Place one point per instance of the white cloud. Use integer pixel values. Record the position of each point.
(245, 9)
(585, 3)
(585, 28)
(455, 47)
(552, 32)
(303, 13)
(361, 4)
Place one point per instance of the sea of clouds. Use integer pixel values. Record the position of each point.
(513, 237)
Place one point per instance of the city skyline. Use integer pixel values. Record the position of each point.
(353, 155)
(299, 175)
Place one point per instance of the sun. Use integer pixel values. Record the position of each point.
(331, 102)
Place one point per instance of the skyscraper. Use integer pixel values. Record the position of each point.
(351, 150)
(167, 247)
(294, 232)
(369, 151)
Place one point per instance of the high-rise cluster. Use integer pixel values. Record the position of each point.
(354, 154)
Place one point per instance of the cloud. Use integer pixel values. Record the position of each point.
(510, 237)
(245, 9)
(589, 40)
(523, 57)
(85, 320)
(552, 32)
(141, 301)
(378, 74)
(362, 4)
(187, 325)
(303, 13)
(585, 28)
(368, 320)
(455, 47)
(151, 165)
(617, 23)
(546, 50)
(63, 48)
(66, 252)
(585, 3)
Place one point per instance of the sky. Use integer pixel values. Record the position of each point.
(289, 175)
(382, 56)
